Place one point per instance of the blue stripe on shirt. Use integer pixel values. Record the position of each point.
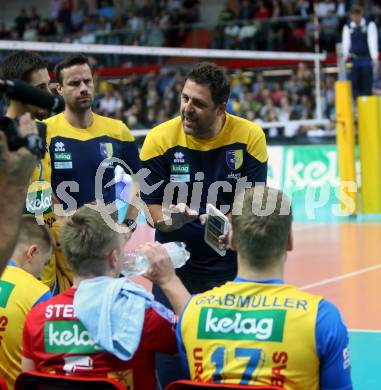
(43, 298)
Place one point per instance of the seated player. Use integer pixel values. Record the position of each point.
(20, 290)
(57, 341)
(257, 330)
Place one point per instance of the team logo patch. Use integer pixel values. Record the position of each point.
(6, 289)
(226, 324)
(106, 149)
(59, 146)
(68, 337)
(180, 168)
(234, 159)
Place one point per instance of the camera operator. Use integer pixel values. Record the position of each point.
(21, 143)
(31, 68)
(16, 168)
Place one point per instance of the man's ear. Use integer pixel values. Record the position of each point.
(221, 108)
(59, 89)
(290, 241)
(30, 252)
(231, 241)
(113, 259)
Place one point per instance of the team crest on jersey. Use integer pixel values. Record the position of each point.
(106, 149)
(234, 159)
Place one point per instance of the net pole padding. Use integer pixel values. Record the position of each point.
(369, 117)
(345, 138)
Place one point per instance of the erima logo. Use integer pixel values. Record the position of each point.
(261, 325)
(59, 147)
(179, 157)
(68, 337)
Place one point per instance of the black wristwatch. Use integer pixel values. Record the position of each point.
(131, 224)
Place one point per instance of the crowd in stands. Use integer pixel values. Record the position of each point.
(129, 22)
(143, 102)
(242, 24)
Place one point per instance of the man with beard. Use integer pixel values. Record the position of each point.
(208, 152)
(79, 141)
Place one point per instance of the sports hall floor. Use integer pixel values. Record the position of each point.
(339, 258)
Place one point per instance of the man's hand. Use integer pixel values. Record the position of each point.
(18, 165)
(160, 269)
(161, 272)
(176, 216)
(223, 239)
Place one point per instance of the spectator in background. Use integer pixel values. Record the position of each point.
(21, 21)
(360, 46)
(21, 290)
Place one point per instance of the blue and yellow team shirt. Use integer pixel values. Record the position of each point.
(264, 333)
(39, 204)
(206, 171)
(19, 292)
(77, 154)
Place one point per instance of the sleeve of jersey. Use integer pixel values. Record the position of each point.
(158, 331)
(181, 347)
(130, 153)
(332, 347)
(44, 297)
(255, 165)
(27, 344)
(157, 176)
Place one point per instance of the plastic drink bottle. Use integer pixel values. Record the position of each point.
(136, 262)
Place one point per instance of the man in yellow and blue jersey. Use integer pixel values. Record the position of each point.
(257, 330)
(20, 290)
(80, 141)
(206, 153)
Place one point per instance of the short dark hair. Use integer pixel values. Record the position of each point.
(213, 76)
(68, 62)
(19, 65)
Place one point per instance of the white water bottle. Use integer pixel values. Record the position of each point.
(136, 262)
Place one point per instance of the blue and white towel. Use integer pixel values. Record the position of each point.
(113, 311)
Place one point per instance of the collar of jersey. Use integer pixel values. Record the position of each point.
(265, 281)
(12, 263)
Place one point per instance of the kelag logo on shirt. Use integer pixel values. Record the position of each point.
(68, 337)
(178, 168)
(225, 324)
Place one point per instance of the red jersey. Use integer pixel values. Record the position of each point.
(58, 343)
